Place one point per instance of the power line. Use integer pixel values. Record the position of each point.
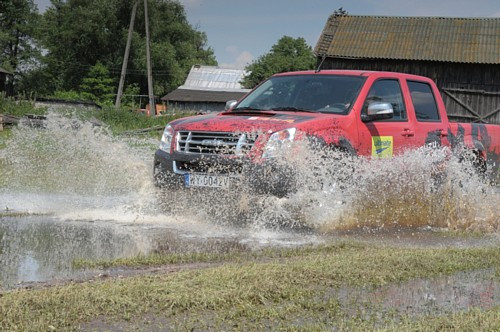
(115, 70)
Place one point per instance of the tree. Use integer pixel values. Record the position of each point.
(80, 33)
(98, 86)
(18, 47)
(288, 54)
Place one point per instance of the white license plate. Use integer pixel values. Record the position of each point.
(206, 180)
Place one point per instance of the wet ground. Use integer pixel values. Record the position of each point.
(80, 194)
(42, 248)
(435, 296)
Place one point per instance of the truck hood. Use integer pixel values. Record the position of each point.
(247, 121)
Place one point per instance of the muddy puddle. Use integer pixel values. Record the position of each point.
(41, 249)
(434, 296)
(37, 249)
(73, 191)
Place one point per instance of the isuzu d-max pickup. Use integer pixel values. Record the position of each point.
(363, 113)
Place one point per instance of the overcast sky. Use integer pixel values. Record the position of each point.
(240, 31)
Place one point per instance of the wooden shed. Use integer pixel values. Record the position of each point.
(207, 88)
(462, 55)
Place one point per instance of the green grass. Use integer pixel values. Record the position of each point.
(19, 108)
(117, 120)
(121, 120)
(276, 289)
(5, 135)
(17, 214)
(158, 259)
(154, 260)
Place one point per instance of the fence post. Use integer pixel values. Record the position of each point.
(1, 122)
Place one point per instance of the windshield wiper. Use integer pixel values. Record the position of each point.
(292, 109)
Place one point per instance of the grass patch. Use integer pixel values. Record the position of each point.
(282, 289)
(19, 108)
(5, 135)
(157, 259)
(17, 214)
(152, 260)
(118, 120)
(121, 120)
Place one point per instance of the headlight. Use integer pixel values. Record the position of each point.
(166, 138)
(279, 142)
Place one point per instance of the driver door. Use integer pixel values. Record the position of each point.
(385, 138)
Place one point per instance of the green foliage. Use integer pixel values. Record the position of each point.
(9, 105)
(128, 100)
(18, 29)
(80, 33)
(288, 54)
(121, 120)
(97, 85)
(117, 120)
(68, 95)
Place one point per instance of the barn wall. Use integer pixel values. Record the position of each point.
(471, 92)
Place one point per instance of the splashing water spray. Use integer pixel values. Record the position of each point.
(76, 170)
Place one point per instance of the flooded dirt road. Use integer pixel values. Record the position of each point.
(42, 249)
(73, 191)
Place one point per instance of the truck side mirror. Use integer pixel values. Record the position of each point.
(230, 104)
(378, 111)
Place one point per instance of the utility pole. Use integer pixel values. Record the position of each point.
(152, 107)
(125, 57)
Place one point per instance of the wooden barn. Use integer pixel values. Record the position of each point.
(462, 55)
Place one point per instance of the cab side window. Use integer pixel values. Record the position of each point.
(424, 102)
(388, 91)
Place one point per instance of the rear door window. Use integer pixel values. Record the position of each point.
(424, 102)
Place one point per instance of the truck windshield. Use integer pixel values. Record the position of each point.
(317, 93)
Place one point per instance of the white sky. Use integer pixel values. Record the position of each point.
(240, 31)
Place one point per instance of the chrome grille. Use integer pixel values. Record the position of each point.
(202, 142)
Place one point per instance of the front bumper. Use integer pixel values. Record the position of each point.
(265, 178)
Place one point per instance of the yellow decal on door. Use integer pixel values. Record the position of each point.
(382, 146)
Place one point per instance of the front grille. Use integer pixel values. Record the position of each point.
(217, 143)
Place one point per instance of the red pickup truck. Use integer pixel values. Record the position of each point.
(364, 113)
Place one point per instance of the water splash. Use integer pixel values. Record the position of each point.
(71, 156)
(79, 171)
(75, 171)
(71, 165)
(425, 187)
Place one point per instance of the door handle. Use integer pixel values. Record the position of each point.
(407, 132)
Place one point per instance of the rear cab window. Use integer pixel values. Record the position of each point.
(424, 102)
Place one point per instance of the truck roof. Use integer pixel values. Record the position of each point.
(364, 73)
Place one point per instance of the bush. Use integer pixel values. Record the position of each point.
(122, 120)
(69, 95)
(11, 106)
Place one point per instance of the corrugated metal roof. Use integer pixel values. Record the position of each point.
(465, 40)
(188, 95)
(210, 84)
(214, 78)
